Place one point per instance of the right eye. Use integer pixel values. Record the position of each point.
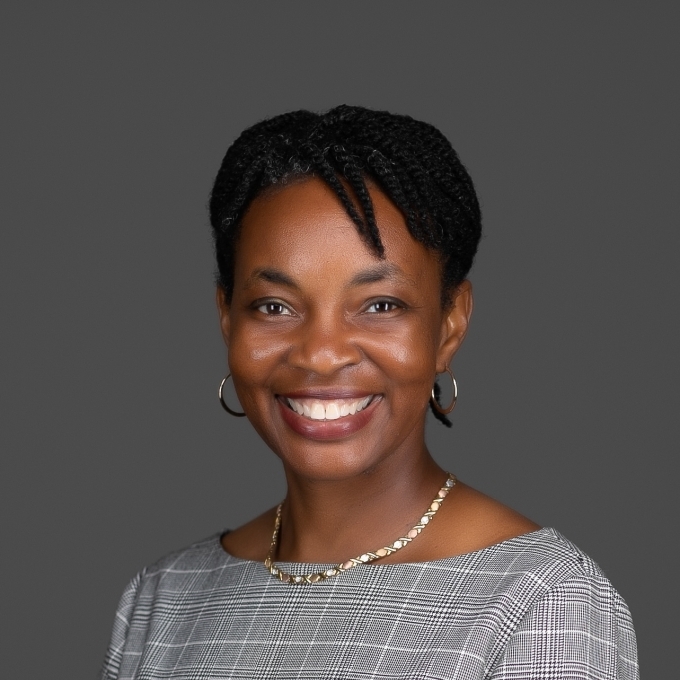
(274, 309)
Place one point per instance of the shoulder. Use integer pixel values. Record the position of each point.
(196, 568)
(203, 554)
(544, 556)
(499, 540)
(195, 565)
(520, 570)
(553, 608)
(509, 560)
(157, 590)
(569, 619)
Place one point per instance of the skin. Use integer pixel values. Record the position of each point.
(315, 312)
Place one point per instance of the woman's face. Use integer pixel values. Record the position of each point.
(333, 351)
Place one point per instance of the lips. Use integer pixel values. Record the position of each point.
(327, 417)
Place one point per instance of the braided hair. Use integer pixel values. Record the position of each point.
(410, 161)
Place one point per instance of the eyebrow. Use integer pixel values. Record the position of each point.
(271, 276)
(381, 272)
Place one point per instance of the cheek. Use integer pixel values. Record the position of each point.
(253, 356)
(260, 354)
(407, 357)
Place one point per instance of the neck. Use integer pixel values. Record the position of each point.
(329, 521)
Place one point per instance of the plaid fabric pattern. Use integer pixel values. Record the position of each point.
(533, 607)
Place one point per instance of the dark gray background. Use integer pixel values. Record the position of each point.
(114, 121)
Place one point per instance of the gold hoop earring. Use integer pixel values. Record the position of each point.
(451, 406)
(224, 404)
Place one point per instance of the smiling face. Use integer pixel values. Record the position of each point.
(333, 351)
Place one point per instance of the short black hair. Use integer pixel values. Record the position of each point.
(412, 162)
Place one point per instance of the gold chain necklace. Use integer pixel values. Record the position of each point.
(317, 576)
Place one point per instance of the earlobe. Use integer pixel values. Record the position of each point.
(223, 312)
(455, 324)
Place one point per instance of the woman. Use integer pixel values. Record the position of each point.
(343, 241)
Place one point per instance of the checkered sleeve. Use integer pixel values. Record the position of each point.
(581, 629)
(121, 626)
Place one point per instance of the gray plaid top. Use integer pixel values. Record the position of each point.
(534, 606)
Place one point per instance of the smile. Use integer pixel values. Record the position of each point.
(328, 409)
(325, 417)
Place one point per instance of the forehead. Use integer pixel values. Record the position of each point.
(303, 228)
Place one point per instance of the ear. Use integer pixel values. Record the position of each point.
(223, 310)
(455, 323)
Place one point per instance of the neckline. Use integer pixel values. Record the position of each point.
(298, 567)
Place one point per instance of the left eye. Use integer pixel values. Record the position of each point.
(382, 306)
(273, 309)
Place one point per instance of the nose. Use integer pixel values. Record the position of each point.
(323, 345)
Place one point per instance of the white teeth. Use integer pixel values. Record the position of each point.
(318, 411)
(332, 411)
(296, 406)
(328, 410)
